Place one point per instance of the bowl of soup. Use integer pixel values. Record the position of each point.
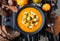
(30, 19)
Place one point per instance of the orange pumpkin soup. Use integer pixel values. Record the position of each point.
(29, 20)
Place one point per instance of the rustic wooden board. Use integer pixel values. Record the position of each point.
(56, 26)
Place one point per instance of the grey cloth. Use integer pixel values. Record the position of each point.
(58, 10)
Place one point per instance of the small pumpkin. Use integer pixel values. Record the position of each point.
(22, 2)
(46, 7)
(37, 1)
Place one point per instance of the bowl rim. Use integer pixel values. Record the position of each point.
(42, 16)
